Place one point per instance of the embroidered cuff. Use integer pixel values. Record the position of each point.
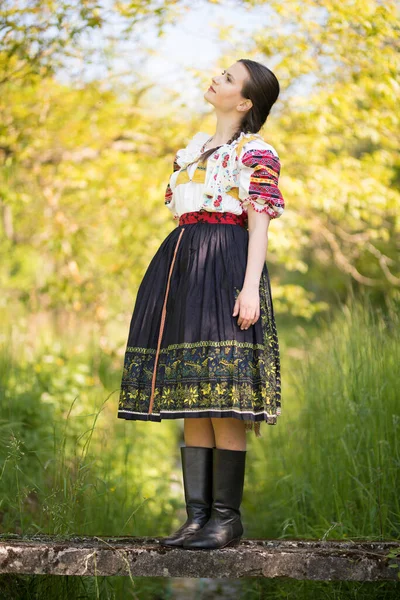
(262, 204)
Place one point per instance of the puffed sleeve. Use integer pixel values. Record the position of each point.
(168, 191)
(169, 194)
(259, 170)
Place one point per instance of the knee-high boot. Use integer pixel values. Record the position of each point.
(197, 482)
(224, 528)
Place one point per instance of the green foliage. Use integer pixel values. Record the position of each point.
(36, 36)
(85, 169)
(338, 140)
(340, 406)
(75, 200)
(51, 480)
(82, 178)
(70, 467)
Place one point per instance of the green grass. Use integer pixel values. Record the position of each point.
(328, 470)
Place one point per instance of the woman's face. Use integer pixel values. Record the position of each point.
(225, 90)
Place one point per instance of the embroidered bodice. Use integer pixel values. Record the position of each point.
(236, 175)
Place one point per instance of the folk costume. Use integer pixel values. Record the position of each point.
(186, 355)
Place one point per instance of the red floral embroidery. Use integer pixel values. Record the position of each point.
(168, 195)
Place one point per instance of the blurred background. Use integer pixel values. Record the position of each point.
(95, 99)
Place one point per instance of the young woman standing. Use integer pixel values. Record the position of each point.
(202, 343)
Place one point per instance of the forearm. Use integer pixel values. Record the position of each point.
(257, 250)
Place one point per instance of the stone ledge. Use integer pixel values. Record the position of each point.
(144, 557)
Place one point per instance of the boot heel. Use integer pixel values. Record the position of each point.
(234, 542)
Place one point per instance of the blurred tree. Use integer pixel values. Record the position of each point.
(339, 142)
(84, 170)
(75, 163)
(37, 35)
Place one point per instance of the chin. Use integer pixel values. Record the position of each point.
(207, 96)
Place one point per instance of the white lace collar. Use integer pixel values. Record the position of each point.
(243, 134)
(192, 151)
(203, 135)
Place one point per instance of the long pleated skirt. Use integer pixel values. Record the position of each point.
(186, 356)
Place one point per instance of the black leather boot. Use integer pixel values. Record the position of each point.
(224, 528)
(197, 481)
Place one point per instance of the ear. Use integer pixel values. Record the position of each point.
(246, 105)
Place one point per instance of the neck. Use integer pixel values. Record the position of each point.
(225, 129)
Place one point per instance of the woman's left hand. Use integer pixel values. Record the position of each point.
(247, 305)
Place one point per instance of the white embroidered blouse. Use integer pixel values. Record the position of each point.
(234, 176)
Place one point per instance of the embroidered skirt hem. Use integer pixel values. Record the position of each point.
(252, 424)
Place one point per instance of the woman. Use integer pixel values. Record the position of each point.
(202, 343)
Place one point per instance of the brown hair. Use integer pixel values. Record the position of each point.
(262, 88)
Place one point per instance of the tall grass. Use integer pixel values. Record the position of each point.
(69, 466)
(330, 468)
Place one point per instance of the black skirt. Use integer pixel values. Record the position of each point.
(186, 355)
